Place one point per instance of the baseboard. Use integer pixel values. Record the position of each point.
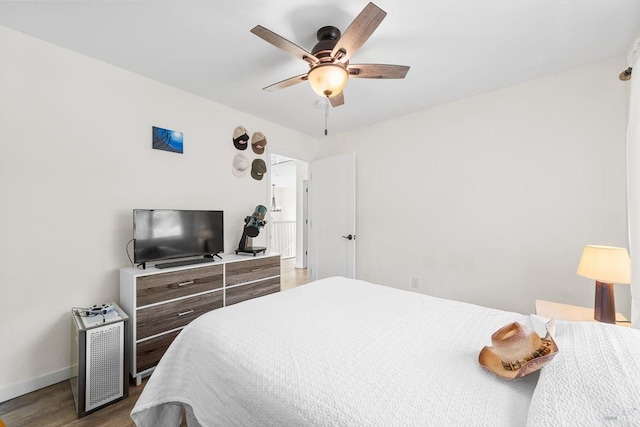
(16, 390)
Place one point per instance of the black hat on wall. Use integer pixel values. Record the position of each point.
(240, 138)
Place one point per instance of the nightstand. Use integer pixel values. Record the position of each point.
(574, 313)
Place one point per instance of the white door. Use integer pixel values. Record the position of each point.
(332, 239)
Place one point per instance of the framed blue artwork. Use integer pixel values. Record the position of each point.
(167, 140)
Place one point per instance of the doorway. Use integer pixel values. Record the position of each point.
(288, 211)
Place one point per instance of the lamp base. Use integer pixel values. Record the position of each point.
(605, 307)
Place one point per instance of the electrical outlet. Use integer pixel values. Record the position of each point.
(415, 282)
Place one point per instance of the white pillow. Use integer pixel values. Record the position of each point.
(594, 380)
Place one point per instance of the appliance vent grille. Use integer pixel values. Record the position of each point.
(104, 365)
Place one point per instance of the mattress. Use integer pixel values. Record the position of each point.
(341, 352)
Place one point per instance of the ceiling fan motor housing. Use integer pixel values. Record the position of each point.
(328, 77)
(327, 38)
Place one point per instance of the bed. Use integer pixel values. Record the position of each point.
(344, 352)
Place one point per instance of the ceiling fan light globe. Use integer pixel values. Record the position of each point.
(328, 79)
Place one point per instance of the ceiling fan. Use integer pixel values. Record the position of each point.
(329, 67)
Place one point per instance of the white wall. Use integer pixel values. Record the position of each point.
(491, 199)
(76, 159)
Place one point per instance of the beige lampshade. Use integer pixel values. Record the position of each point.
(328, 79)
(606, 264)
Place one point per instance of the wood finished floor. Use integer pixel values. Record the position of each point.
(53, 406)
(290, 276)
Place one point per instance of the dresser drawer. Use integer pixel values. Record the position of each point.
(255, 269)
(164, 317)
(149, 353)
(252, 290)
(165, 286)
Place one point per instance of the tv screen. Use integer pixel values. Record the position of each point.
(161, 234)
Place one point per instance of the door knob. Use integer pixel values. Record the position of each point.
(349, 237)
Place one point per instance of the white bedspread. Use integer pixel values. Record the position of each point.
(336, 352)
(593, 381)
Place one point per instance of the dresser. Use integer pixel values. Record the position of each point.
(161, 302)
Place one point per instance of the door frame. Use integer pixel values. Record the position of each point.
(304, 213)
(305, 220)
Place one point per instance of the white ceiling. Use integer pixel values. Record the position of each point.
(456, 48)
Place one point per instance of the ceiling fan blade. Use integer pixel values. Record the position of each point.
(378, 71)
(284, 44)
(286, 83)
(337, 100)
(358, 32)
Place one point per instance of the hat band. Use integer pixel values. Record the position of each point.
(542, 351)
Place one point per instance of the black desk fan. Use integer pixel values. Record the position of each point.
(252, 226)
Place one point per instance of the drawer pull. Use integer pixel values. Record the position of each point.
(256, 269)
(190, 282)
(185, 313)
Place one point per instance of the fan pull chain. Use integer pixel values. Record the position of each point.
(326, 115)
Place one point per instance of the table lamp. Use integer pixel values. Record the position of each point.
(606, 265)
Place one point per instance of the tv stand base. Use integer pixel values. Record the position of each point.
(253, 250)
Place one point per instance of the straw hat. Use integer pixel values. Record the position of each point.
(518, 351)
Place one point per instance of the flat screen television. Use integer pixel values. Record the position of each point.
(161, 234)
